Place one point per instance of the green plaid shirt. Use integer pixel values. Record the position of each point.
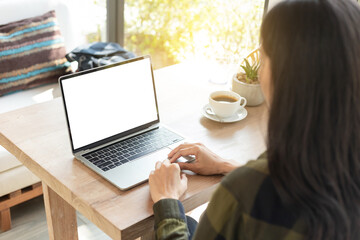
(244, 206)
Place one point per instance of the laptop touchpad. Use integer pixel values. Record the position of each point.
(128, 175)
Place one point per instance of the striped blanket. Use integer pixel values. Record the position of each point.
(32, 53)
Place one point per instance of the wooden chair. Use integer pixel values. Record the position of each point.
(9, 200)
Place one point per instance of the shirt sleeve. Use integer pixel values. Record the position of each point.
(170, 220)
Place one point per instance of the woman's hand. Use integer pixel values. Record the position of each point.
(167, 181)
(206, 162)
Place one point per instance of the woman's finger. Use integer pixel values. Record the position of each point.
(166, 162)
(157, 165)
(193, 150)
(187, 166)
(176, 166)
(180, 153)
(181, 146)
(184, 179)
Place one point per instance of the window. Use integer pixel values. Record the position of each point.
(90, 19)
(175, 31)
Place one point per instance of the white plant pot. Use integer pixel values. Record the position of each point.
(252, 92)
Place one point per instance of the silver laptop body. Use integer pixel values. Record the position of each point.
(111, 107)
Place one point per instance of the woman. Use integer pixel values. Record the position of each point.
(307, 186)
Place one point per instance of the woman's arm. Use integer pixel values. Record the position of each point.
(167, 184)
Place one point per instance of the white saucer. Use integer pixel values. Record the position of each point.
(239, 115)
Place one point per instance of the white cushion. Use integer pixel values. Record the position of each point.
(15, 179)
(28, 97)
(7, 160)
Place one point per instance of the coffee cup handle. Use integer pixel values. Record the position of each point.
(244, 102)
(210, 111)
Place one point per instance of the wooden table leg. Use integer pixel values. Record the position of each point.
(60, 216)
(5, 220)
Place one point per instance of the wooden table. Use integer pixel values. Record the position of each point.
(38, 137)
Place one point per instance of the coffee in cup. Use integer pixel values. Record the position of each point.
(225, 99)
(225, 103)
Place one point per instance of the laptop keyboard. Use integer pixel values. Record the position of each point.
(127, 150)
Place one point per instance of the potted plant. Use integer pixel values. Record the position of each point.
(246, 81)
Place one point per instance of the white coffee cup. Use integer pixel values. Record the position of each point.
(225, 103)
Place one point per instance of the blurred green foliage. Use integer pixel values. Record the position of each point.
(172, 31)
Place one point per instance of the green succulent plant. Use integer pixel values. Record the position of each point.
(251, 71)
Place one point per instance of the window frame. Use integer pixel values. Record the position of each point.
(115, 21)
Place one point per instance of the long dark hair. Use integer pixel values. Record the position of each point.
(314, 122)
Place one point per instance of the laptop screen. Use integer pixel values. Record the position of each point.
(108, 101)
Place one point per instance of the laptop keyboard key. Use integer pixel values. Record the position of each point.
(105, 164)
(99, 162)
(94, 159)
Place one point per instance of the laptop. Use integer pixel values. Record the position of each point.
(113, 121)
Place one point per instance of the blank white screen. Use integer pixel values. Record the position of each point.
(110, 101)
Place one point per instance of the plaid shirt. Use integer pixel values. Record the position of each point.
(244, 206)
